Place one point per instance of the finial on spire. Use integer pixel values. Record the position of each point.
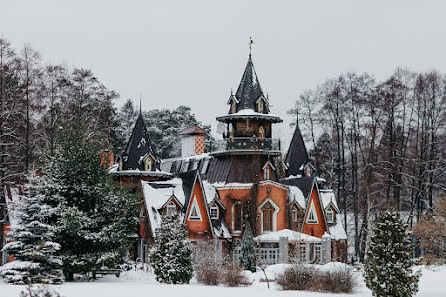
(297, 117)
(140, 100)
(250, 44)
(232, 93)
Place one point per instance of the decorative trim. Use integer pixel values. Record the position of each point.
(276, 210)
(312, 210)
(194, 206)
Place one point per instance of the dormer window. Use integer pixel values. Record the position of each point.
(330, 215)
(312, 216)
(171, 209)
(293, 214)
(266, 173)
(214, 212)
(233, 107)
(308, 170)
(261, 106)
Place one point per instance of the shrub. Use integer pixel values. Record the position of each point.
(296, 277)
(207, 264)
(208, 273)
(39, 291)
(233, 276)
(336, 281)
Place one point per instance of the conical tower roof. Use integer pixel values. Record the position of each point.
(297, 154)
(139, 146)
(249, 89)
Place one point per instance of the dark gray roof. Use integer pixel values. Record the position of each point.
(138, 146)
(188, 183)
(249, 90)
(305, 184)
(297, 154)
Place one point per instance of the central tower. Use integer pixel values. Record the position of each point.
(248, 143)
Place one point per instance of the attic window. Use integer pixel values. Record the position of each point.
(171, 209)
(312, 216)
(293, 214)
(308, 170)
(194, 214)
(266, 173)
(233, 107)
(214, 212)
(260, 106)
(330, 215)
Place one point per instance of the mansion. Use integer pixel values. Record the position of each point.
(243, 178)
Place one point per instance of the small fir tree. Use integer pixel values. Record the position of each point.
(31, 238)
(248, 254)
(170, 255)
(388, 267)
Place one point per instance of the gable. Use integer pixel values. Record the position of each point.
(197, 215)
(318, 226)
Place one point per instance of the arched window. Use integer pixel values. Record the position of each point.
(260, 106)
(267, 211)
(233, 107)
(238, 217)
(171, 209)
(266, 173)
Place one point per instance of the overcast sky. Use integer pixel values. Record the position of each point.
(194, 52)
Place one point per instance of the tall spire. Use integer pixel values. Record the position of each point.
(297, 154)
(140, 100)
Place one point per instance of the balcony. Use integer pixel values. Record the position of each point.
(244, 144)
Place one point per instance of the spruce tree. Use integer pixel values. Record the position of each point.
(96, 222)
(170, 256)
(388, 267)
(248, 254)
(30, 239)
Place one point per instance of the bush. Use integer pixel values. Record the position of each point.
(297, 277)
(206, 263)
(39, 291)
(208, 273)
(337, 281)
(233, 276)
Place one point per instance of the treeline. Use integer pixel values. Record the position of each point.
(381, 145)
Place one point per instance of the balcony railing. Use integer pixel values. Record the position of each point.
(245, 144)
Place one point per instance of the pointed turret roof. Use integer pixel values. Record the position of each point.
(249, 90)
(138, 147)
(297, 154)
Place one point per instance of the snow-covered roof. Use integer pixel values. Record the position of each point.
(250, 113)
(156, 194)
(337, 231)
(222, 231)
(290, 234)
(137, 172)
(327, 198)
(297, 195)
(209, 191)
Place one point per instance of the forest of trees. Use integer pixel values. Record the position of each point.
(380, 145)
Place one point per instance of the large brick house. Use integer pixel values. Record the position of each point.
(244, 179)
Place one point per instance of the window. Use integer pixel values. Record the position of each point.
(303, 253)
(317, 253)
(194, 214)
(261, 132)
(260, 105)
(233, 107)
(238, 217)
(312, 216)
(267, 211)
(171, 209)
(214, 212)
(330, 215)
(308, 170)
(266, 173)
(293, 214)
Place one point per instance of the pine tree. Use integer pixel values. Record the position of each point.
(388, 267)
(248, 255)
(170, 255)
(31, 238)
(96, 222)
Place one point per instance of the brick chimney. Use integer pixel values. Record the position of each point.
(192, 141)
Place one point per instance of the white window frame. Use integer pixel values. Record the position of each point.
(303, 253)
(312, 212)
(276, 210)
(215, 209)
(194, 205)
(330, 215)
(318, 252)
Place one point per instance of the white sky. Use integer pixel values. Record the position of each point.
(194, 52)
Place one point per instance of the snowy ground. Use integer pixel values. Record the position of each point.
(139, 283)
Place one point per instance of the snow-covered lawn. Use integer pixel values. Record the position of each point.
(139, 283)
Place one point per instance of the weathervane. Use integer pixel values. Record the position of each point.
(250, 44)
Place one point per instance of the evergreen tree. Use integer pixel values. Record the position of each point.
(96, 222)
(31, 238)
(170, 256)
(248, 256)
(388, 267)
